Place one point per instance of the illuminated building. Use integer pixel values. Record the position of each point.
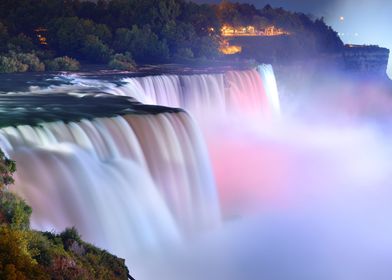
(41, 34)
(230, 31)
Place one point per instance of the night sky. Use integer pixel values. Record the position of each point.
(365, 21)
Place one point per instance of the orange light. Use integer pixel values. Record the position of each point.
(229, 31)
(225, 48)
(231, 50)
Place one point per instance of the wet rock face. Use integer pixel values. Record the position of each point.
(366, 59)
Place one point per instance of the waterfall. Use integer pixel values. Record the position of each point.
(128, 177)
(241, 92)
(128, 183)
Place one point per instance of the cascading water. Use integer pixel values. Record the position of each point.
(151, 172)
(242, 92)
(221, 103)
(133, 182)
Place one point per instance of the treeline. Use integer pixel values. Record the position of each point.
(122, 32)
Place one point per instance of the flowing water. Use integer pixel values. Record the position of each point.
(228, 189)
(134, 182)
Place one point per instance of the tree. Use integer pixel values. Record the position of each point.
(21, 43)
(206, 47)
(3, 37)
(67, 35)
(227, 13)
(201, 17)
(94, 50)
(16, 262)
(142, 43)
(179, 36)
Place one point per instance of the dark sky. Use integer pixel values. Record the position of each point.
(365, 21)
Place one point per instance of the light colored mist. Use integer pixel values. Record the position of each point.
(306, 197)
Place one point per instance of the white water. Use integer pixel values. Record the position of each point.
(127, 183)
(233, 92)
(138, 183)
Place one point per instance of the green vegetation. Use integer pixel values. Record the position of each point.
(149, 31)
(63, 63)
(28, 254)
(122, 62)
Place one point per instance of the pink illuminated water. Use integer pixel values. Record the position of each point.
(231, 190)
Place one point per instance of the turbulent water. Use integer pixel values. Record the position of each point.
(243, 92)
(138, 179)
(145, 177)
(225, 188)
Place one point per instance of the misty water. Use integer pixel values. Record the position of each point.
(247, 183)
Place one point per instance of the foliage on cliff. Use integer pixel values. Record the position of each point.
(28, 254)
(150, 31)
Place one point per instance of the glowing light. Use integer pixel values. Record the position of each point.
(40, 33)
(226, 48)
(341, 18)
(230, 49)
(230, 31)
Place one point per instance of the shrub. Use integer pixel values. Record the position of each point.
(70, 234)
(20, 62)
(7, 169)
(14, 211)
(63, 63)
(32, 61)
(122, 62)
(11, 65)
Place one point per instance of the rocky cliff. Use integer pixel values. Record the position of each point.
(366, 59)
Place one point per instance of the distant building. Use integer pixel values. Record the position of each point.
(41, 34)
(230, 31)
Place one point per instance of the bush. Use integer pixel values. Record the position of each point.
(20, 62)
(32, 61)
(42, 248)
(70, 234)
(122, 62)
(11, 65)
(14, 211)
(7, 170)
(63, 63)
